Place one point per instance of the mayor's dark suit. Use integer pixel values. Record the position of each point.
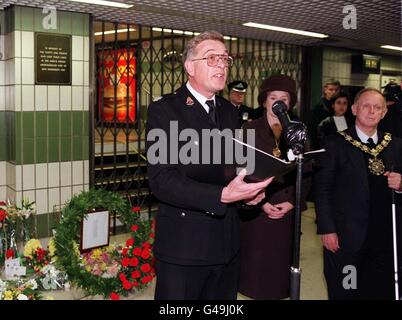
(344, 200)
(193, 227)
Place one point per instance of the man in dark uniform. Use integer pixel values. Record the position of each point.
(322, 109)
(353, 186)
(392, 121)
(237, 92)
(197, 226)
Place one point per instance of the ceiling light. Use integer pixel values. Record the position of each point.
(392, 47)
(113, 31)
(280, 29)
(105, 3)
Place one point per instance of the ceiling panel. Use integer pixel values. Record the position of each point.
(378, 21)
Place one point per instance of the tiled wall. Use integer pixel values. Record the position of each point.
(337, 64)
(45, 128)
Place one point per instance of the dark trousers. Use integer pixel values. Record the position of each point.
(211, 282)
(374, 272)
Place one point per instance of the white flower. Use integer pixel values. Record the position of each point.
(22, 297)
(32, 284)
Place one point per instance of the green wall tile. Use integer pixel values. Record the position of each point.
(77, 23)
(77, 148)
(86, 25)
(65, 154)
(41, 150)
(64, 21)
(27, 19)
(27, 124)
(3, 151)
(41, 123)
(38, 18)
(42, 225)
(86, 123)
(53, 149)
(85, 148)
(54, 219)
(54, 124)
(18, 125)
(18, 151)
(77, 123)
(14, 19)
(28, 151)
(65, 129)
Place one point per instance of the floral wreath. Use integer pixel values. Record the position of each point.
(111, 271)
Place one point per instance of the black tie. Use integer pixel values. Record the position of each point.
(212, 110)
(370, 143)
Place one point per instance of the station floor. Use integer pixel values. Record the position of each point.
(312, 279)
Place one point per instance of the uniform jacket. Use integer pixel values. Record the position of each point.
(193, 227)
(341, 188)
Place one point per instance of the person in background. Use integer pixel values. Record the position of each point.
(339, 121)
(352, 187)
(322, 109)
(392, 121)
(237, 92)
(197, 226)
(266, 232)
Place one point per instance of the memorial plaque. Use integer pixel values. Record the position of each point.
(52, 59)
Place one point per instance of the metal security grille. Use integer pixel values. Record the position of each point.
(136, 64)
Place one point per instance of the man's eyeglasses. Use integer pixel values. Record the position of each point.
(213, 60)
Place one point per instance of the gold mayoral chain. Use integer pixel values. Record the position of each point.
(376, 166)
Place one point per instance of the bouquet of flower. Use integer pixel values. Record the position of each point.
(19, 290)
(35, 256)
(137, 265)
(101, 262)
(16, 225)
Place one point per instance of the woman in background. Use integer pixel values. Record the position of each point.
(341, 120)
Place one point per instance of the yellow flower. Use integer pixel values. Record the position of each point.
(76, 249)
(52, 249)
(31, 247)
(8, 295)
(96, 253)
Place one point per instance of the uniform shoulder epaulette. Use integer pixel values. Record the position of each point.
(164, 97)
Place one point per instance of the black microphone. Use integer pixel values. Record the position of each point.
(295, 132)
(280, 109)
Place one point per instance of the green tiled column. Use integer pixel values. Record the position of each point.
(44, 128)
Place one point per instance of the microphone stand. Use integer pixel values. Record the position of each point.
(295, 271)
(394, 238)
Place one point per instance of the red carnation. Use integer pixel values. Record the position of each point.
(3, 214)
(137, 251)
(9, 253)
(135, 274)
(152, 235)
(125, 262)
(122, 277)
(146, 267)
(136, 209)
(2, 203)
(114, 296)
(124, 251)
(145, 254)
(127, 285)
(133, 262)
(130, 242)
(146, 245)
(146, 279)
(135, 284)
(134, 228)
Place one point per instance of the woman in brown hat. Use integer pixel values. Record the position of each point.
(266, 233)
